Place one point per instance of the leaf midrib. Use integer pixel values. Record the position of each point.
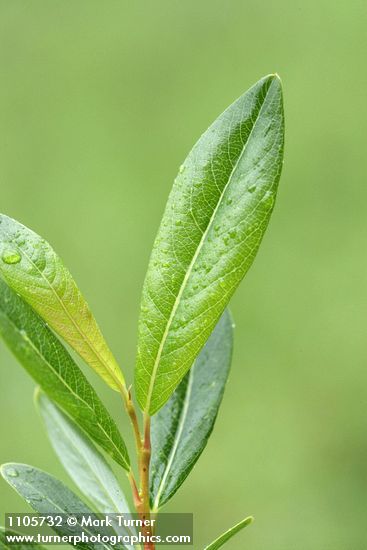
(195, 256)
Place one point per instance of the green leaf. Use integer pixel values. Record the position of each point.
(80, 458)
(51, 366)
(47, 495)
(83, 462)
(33, 269)
(214, 221)
(5, 545)
(220, 541)
(181, 429)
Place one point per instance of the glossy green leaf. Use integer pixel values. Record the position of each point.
(220, 541)
(52, 367)
(33, 269)
(5, 545)
(81, 459)
(47, 495)
(180, 430)
(215, 218)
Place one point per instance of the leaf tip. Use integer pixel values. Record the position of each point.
(6, 469)
(274, 77)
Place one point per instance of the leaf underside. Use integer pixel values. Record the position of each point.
(220, 541)
(181, 429)
(81, 459)
(31, 267)
(83, 462)
(51, 366)
(47, 495)
(214, 221)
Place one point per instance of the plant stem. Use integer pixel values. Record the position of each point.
(143, 447)
(144, 464)
(130, 409)
(144, 477)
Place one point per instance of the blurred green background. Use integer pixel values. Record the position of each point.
(99, 104)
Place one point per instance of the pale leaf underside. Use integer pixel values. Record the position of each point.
(47, 495)
(181, 429)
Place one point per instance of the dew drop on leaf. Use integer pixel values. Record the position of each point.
(12, 472)
(11, 257)
(251, 189)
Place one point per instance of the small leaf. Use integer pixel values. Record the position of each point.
(47, 495)
(181, 429)
(80, 458)
(5, 545)
(33, 269)
(220, 541)
(214, 221)
(51, 366)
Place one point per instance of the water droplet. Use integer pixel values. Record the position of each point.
(232, 234)
(229, 201)
(251, 189)
(11, 257)
(12, 472)
(182, 168)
